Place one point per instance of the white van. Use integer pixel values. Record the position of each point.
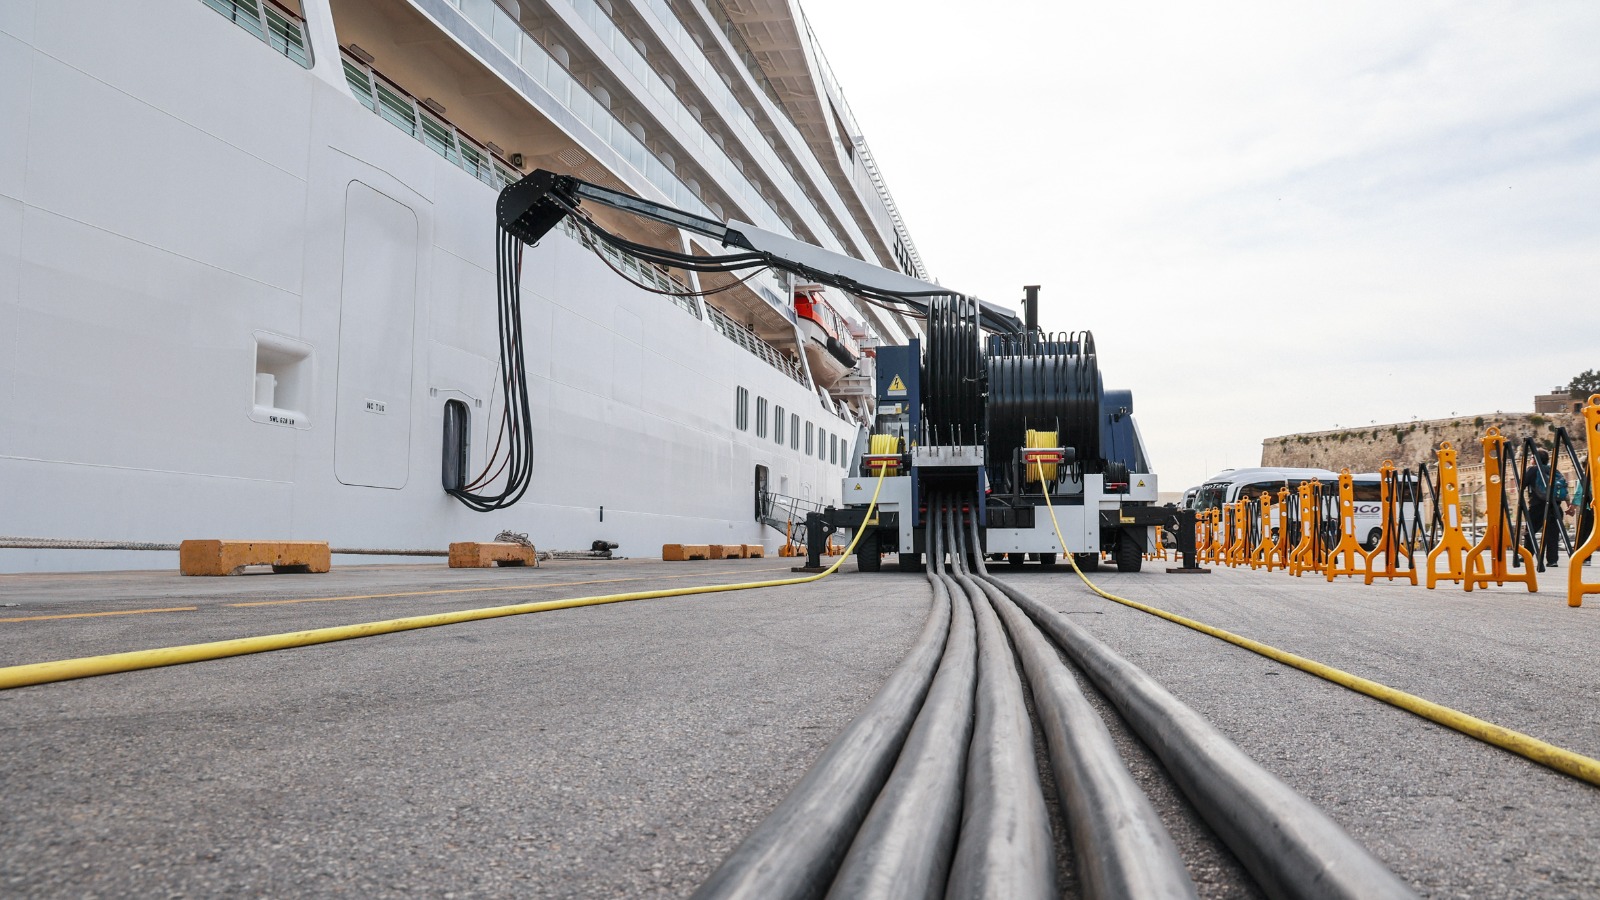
(1230, 485)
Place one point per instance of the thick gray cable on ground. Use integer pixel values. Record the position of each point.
(1288, 845)
(1006, 848)
(795, 852)
(904, 847)
(1120, 844)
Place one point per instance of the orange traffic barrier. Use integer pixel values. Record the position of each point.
(1348, 547)
(1239, 544)
(1266, 551)
(1388, 551)
(1207, 538)
(1576, 587)
(1453, 545)
(1304, 558)
(1497, 538)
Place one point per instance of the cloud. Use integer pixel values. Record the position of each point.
(1274, 216)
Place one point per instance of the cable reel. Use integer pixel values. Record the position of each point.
(1039, 383)
(955, 379)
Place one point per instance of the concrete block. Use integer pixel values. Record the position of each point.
(679, 552)
(207, 557)
(476, 555)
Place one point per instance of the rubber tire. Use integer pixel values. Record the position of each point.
(1015, 560)
(1088, 562)
(911, 562)
(1129, 557)
(1047, 560)
(1373, 537)
(869, 556)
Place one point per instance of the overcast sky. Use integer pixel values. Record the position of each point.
(1275, 217)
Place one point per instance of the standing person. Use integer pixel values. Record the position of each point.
(1544, 505)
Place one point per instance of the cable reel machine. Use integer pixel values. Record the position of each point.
(992, 410)
(1003, 419)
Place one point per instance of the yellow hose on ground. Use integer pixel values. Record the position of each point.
(1565, 761)
(87, 666)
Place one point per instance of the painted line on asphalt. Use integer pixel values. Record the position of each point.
(120, 612)
(483, 590)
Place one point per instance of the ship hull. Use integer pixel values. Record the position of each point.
(159, 249)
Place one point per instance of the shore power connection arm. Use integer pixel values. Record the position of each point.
(991, 410)
(531, 207)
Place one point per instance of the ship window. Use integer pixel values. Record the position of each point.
(777, 424)
(833, 449)
(794, 431)
(457, 439)
(811, 432)
(741, 409)
(761, 417)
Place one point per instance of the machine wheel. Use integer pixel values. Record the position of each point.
(911, 562)
(869, 557)
(1047, 560)
(1088, 562)
(1014, 560)
(1129, 557)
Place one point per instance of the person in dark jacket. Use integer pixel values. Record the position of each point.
(1545, 496)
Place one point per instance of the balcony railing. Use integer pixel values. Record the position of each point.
(279, 28)
(399, 108)
(751, 341)
(633, 268)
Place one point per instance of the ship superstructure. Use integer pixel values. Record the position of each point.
(247, 271)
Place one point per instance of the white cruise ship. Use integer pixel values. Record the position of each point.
(247, 272)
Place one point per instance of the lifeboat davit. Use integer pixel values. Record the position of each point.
(831, 348)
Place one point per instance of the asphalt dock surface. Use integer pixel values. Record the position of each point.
(624, 749)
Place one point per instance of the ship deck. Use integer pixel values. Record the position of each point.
(624, 749)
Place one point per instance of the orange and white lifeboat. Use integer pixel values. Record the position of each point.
(831, 348)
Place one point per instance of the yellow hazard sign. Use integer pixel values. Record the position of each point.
(858, 485)
(1141, 482)
(897, 386)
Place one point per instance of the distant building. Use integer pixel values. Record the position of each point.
(1557, 402)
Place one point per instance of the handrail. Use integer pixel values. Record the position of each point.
(753, 342)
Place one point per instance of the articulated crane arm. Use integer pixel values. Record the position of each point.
(531, 207)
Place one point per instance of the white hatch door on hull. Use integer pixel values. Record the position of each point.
(378, 302)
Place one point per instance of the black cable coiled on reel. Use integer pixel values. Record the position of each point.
(955, 381)
(1044, 382)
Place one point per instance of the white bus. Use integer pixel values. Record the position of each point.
(1232, 485)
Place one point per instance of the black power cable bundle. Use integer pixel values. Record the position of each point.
(516, 425)
(1044, 382)
(956, 384)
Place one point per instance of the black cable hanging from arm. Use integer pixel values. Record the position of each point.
(516, 427)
